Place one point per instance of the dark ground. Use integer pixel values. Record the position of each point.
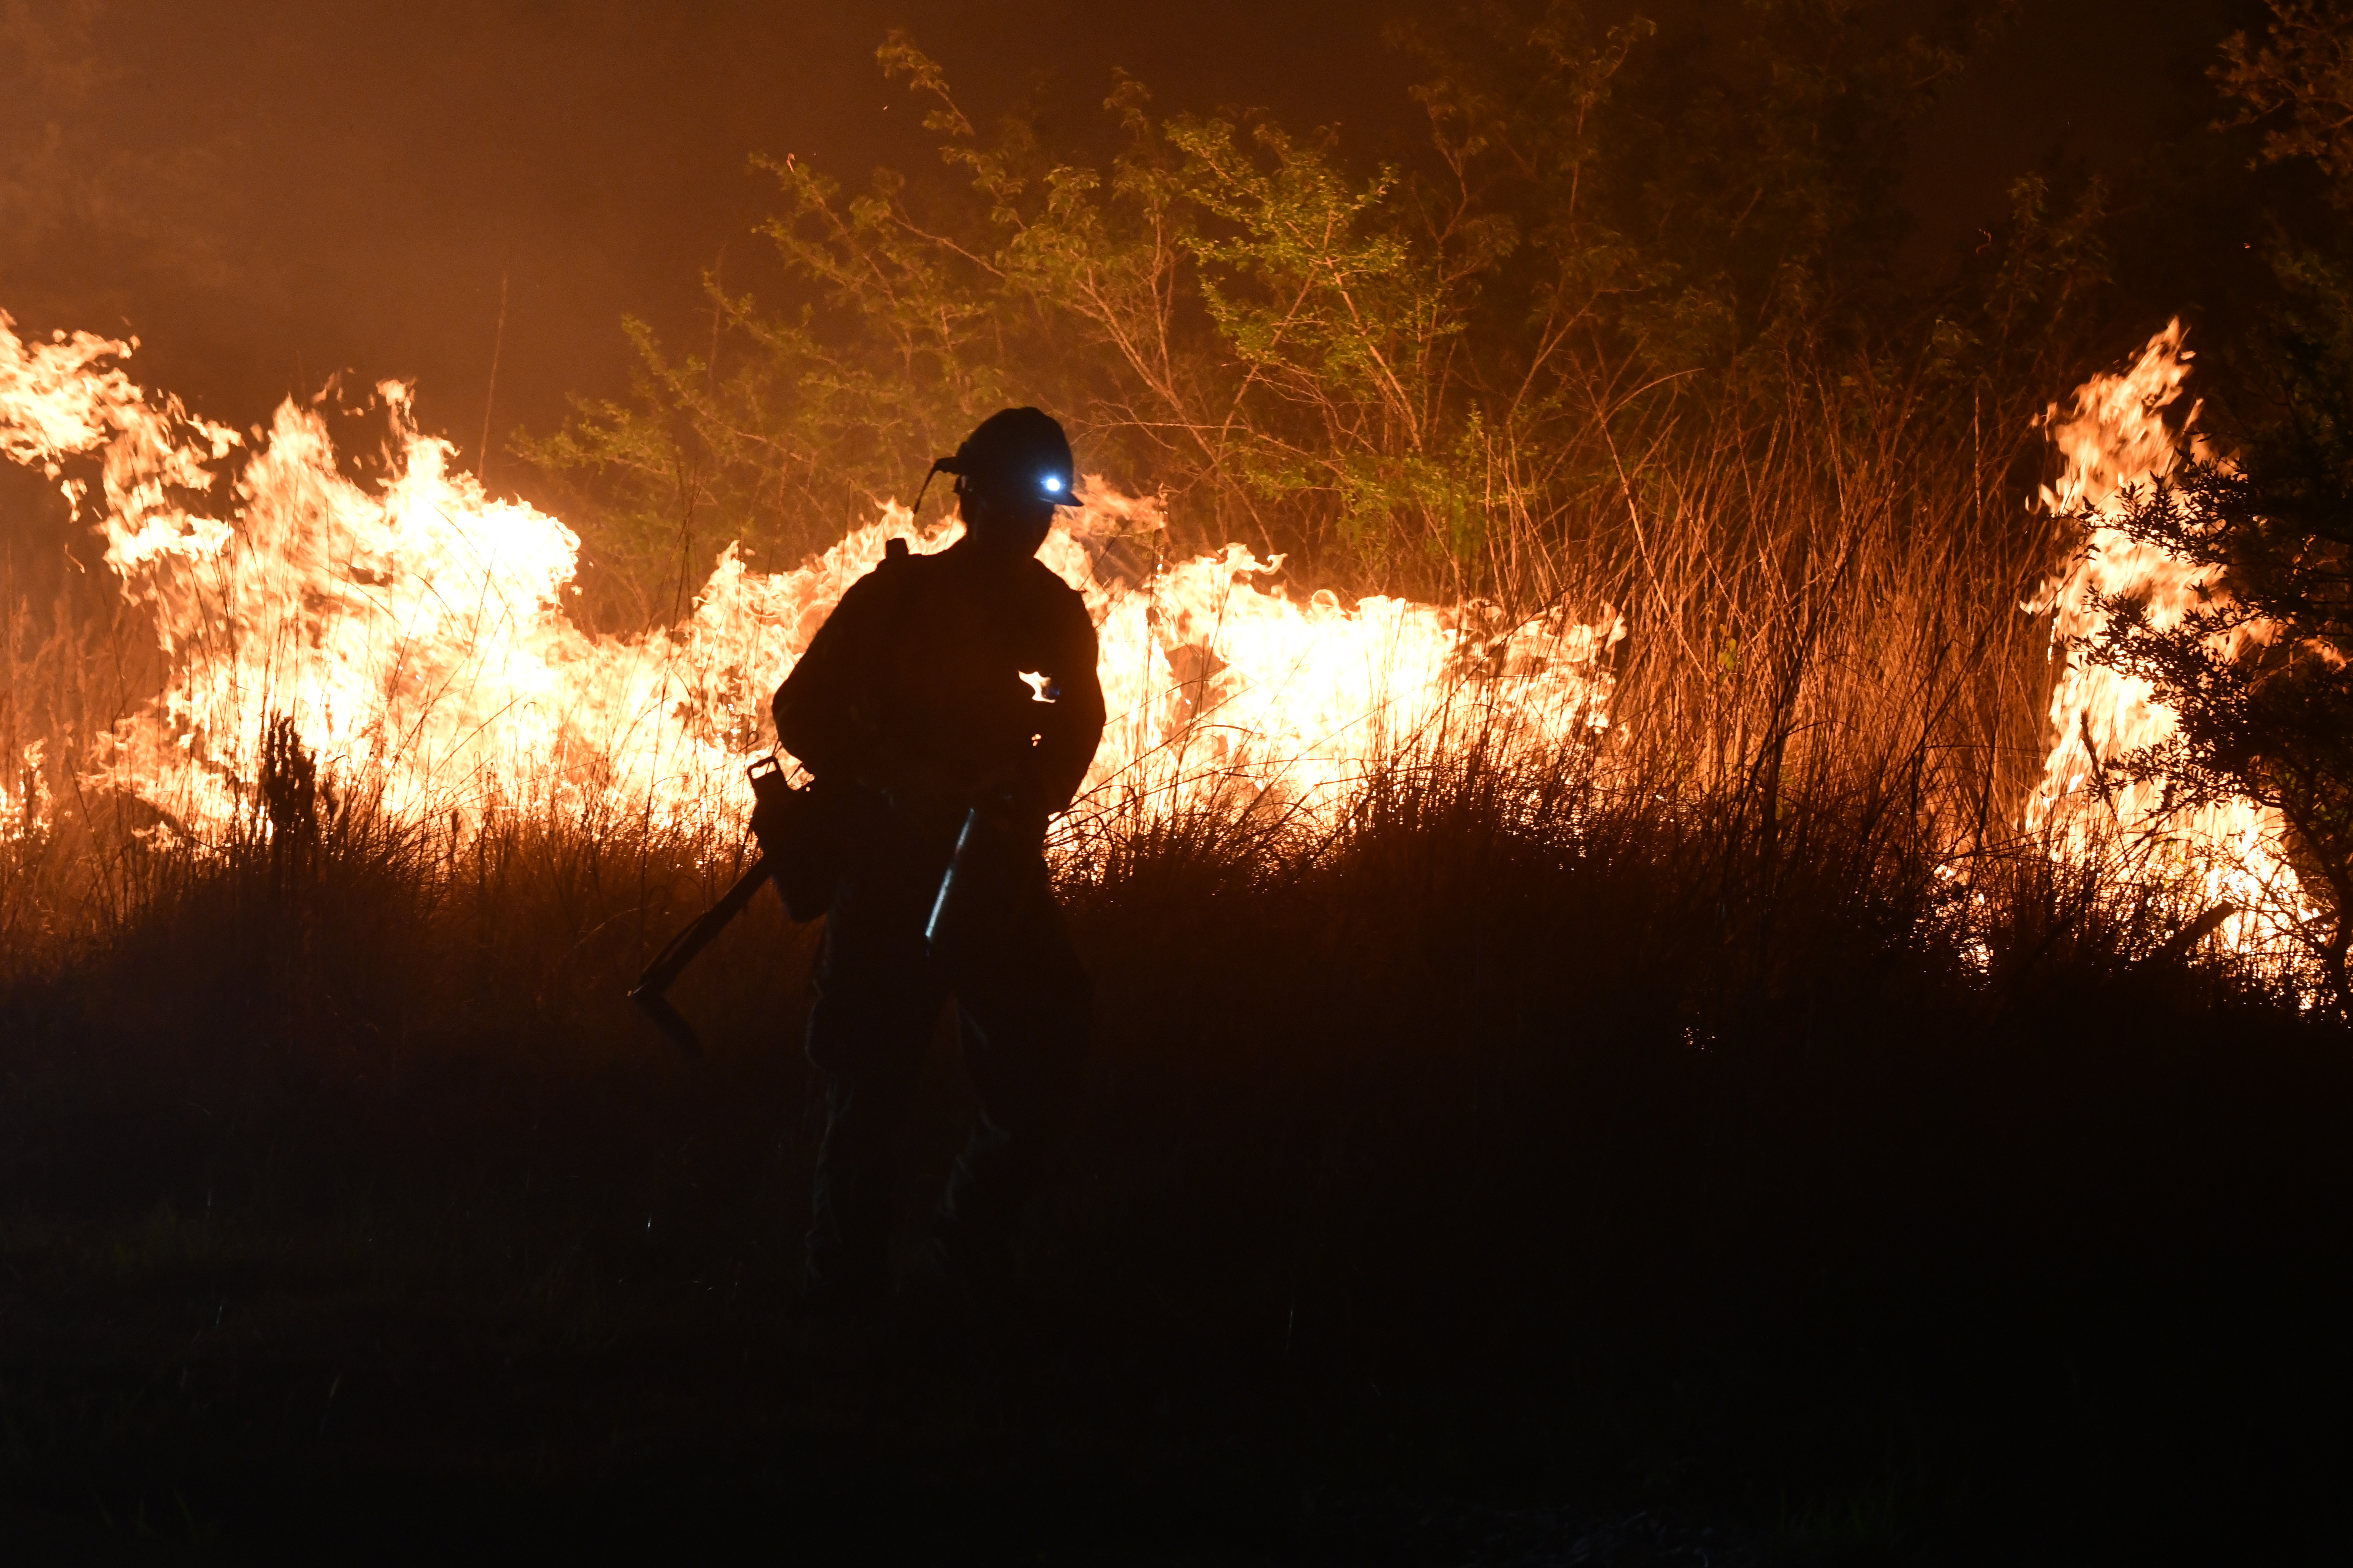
(1453, 1200)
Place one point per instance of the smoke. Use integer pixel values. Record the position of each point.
(88, 208)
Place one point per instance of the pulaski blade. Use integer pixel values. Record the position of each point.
(668, 1019)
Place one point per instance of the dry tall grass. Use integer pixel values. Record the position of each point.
(1823, 607)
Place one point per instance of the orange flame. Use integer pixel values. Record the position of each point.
(2115, 437)
(414, 633)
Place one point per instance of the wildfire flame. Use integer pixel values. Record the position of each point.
(413, 633)
(2114, 437)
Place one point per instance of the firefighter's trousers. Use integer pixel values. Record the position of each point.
(1022, 1001)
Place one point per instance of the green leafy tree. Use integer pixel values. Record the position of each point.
(2298, 85)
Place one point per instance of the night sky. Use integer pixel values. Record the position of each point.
(267, 191)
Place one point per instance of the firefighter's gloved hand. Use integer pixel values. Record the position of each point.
(768, 820)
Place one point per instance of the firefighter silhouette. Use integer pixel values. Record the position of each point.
(946, 709)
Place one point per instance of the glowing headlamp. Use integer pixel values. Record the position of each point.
(1054, 484)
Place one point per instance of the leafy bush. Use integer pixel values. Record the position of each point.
(1618, 263)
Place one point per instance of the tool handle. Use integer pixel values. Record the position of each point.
(680, 950)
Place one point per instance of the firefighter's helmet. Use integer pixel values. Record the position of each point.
(1015, 453)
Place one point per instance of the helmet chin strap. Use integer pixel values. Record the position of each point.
(939, 466)
(949, 466)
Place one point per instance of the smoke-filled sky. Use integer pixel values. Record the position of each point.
(271, 191)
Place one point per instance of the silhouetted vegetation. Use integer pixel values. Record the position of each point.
(1516, 1144)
